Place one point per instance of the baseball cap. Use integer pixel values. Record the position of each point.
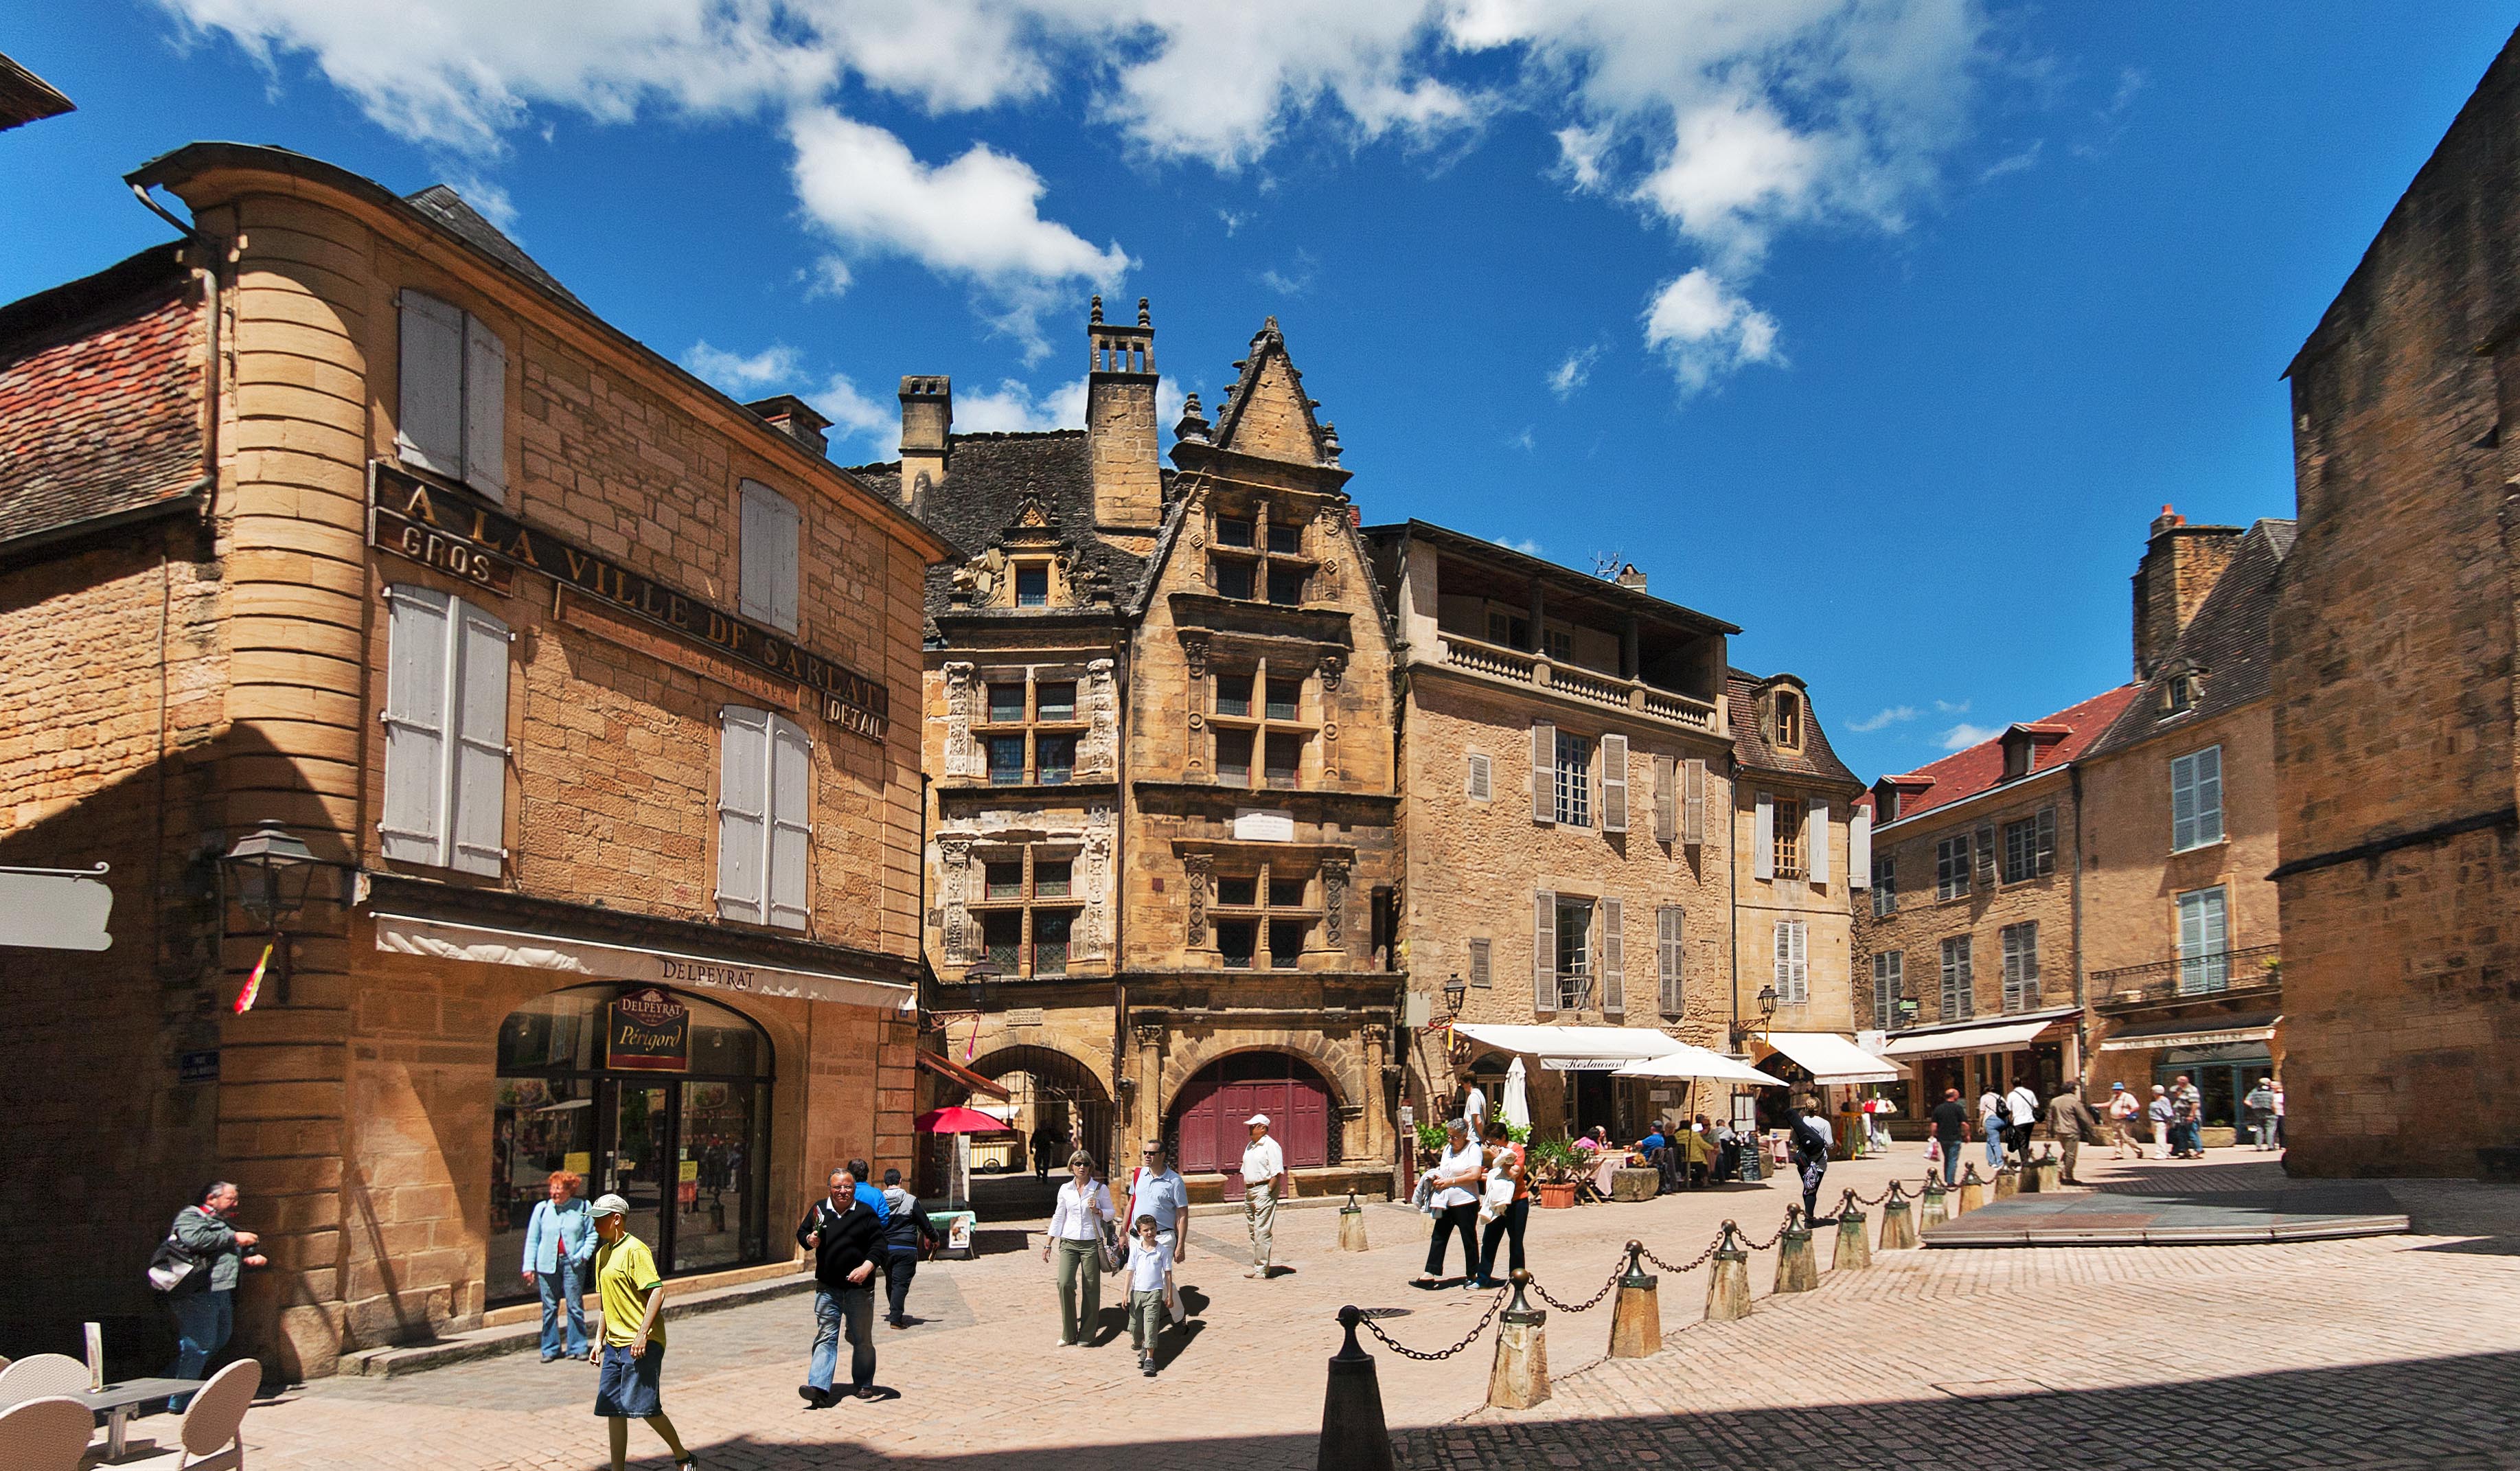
(1255, 1118)
(608, 1204)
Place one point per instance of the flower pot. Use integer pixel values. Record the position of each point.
(1557, 1195)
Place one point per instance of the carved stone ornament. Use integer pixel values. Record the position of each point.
(1195, 646)
(1331, 666)
(1334, 873)
(962, 753)
(1201, 868)
(1150, 1034)
(1093, 937)
(1098, 753)
(954, 854)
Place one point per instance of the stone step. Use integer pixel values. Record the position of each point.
(395, 1361)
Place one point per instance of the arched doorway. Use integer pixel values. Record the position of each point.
(1054, 1104)
(651, 1094)
(1208, 1118)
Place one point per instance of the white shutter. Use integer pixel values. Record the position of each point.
(1480, 779)
(1782, 977)
(416, 721)
(1543, 953)
(429, 428)
(1763, 839)
(1666, 799)
(1693, 824)
(742, 813)
(1614, 784)
(1614, 957)
(1669, 929)
(766, 560)
(1859, 848)
(1815, 839)
(790, 784)
(485, 409)
(479, 791)
(1793, 962)
(1544, 772)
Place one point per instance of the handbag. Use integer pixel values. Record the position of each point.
(174, 1266)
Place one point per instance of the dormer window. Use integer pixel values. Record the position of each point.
(1032, 586)
(2017, 753)
(2179, 694)
(1789, 720)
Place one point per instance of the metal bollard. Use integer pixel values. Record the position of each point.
(1352, 1226)
(1898, 1221)
(1853, 1252)
(1353, 1437)
(1519, 1379)
(1972, 1192)
(1797, 1265)
(1727, 1283)
(1636, 1318)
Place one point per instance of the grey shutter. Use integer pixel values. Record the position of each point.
(742, 813)
(1614, 957)
(1543, 953)
(1859, 848)
(1666, 817)
(1614, 784)
(429, 428)
(790, 833)
(1815, 843)
(479, 770)
(1782, 970)
(416, 721)
(1982, 854)
(1671, 923)
(1479, 976)
(2047, 839)
(1481, 778)
(766, 561)
(2183, 803)
(485, 409)
(2209, 794)
(1692, 820)
(1544, 772)
(1763, 839)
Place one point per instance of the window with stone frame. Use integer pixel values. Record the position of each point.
(1959, 981)
(1026, 908)
(1257, 553)
(2021, 967)
(1032, 584)
(2030, 846)
(1885, 886)
(1574, 954)
(1264, 912)
(1259, 724)
(1574, 777)
(1952, 867)
(1788, 845)
(1032, 730)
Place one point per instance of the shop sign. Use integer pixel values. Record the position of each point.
(1584, 1064)
(439, 528)
(647, 1030)
(1027, 1016)
(196, 1067)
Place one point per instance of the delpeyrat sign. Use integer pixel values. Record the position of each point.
(647, 1030)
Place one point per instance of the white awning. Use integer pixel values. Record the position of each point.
(1692, 1062)
(1996, 1036)
(1832, 1059)
(408, 935)
(2200, 1036)
(1574, 1049)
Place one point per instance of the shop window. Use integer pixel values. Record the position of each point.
(451, 413)
(446, 733)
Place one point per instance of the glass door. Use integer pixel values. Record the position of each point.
(640, 1155)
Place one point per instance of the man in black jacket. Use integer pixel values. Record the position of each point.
(847, 1243)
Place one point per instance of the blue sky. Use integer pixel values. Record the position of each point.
(1878, 326)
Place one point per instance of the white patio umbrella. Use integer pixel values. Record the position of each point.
(1516, 1111)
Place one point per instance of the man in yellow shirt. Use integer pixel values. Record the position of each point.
(629, 1341)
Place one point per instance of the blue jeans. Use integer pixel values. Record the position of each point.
(559, 1287)
(1950, 1162)
(851, 1311)
(204, 1320)
(1995, 1147)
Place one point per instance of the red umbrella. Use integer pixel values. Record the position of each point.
(959, 1120)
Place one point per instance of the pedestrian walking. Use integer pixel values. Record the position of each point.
(1504, 1162)
(204, 1302)
(560, 1244)
(2023, 1106)
(629, 1334)
(847, 1241)
(868, 1192)
(2069, 1120)
(1264, 1181)
(2123, 1110)
(1475, 1108)
(1991, 1117)
(1150, 1292)
(1453, 1201)
(2261, 1104)
(906, 1230)
(1045, 1147)
(1810, 1138)
(2160, 1113)
(2279, 1113)
(1159, 1190)
(1951, 1132)
(1076, 1229)
(2189, 1105)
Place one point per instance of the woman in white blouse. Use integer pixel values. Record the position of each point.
(1455, 1203)
(1076, 1230)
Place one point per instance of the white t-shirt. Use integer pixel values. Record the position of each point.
(1468, 1159)
(1989, 1106)
(1262, 1163)
(1148, 1263)
(2025, 1105)
(2124, 1106)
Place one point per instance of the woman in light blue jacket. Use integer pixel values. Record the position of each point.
(559, 1241)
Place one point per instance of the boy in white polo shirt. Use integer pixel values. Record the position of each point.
(1150, 1281)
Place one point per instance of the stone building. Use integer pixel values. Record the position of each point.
(572, 680)
(2394, 740)
(1161, 844)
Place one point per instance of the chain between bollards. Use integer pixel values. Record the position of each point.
(1405, 1352)
(1595, 1301)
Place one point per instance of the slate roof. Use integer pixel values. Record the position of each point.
(26, 97)
(2230, 640)
(1980, 769)
(1750, 748)
(100, 400)
(987, 478)
(447, 210)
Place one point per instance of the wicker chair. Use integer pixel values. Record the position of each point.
(40, 1374)
(215, 1422)
(48, 1433)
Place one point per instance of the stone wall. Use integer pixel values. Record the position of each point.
(1920, 923)
(1823, 906)
(2132, 880)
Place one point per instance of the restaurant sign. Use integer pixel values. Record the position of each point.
(647, 1030)
(1584, 1064)
(454, 534)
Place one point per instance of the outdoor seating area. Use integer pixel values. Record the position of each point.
(58, 1414)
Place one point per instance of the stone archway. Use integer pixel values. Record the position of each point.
(1051, 1096)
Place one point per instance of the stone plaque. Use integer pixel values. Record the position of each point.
(1264, 825)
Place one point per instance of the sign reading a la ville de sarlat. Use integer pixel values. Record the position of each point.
(438, 528)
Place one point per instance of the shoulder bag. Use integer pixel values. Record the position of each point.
(175, 1267)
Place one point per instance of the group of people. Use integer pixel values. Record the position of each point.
(1472, 1181)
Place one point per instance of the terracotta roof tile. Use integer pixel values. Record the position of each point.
(1980, 767)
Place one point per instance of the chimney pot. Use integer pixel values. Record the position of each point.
(795, 418)
(1630, 577)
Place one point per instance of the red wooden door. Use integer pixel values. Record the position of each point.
(1209, 1120)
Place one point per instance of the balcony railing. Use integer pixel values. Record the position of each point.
(1576, 683)
(2253, 968)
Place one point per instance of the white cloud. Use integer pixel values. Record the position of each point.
(1703, 328)
(2026, 158)
(774, 365)
(1573, 373)
(1579, 152)
(855, 416)
(1012, 406)
(1525, 545)
(1523, 440)
(1950, 708)
(1891, 715)
(1962, 736)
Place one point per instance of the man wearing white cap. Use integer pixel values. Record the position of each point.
(1264, 1176)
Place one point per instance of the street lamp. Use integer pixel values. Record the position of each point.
(270, 872)
(1455, 993)
(977, 977)
(1767, 1004)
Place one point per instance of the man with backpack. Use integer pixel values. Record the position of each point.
(1809, 1135)
(197, 1267)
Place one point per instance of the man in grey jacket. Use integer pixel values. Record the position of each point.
(205, 1306)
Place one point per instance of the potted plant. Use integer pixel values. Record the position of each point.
(1430, 1141)
(1554, 1165)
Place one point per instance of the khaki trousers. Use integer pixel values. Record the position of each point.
(2068, 1146)
(1080, 1289)
(1260, 1212)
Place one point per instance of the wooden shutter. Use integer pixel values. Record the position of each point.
(479, 796)
(1815, 843)
(1481, 777)
(1666, 811)
(1982, 854)
(1544, 772)
(1543, 953)
(1479, 976)
(1782, 971)
(417, 724)
(790, 766)
(1614, 784)
(1801, 930)
(485, 409)
(1614, 957)
(1671, 922)
(429, 428)
(1693, 821)
(766, 557)
(742, 813)
(2047, 841)
(2209, 794)
(1763, 838)
(1859, 848)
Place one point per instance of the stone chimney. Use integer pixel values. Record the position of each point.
(1630, 578)
(2180, 567)
(795, 418)
(926, 434)
(1120, 437)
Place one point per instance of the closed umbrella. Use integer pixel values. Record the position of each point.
(1516, 1111)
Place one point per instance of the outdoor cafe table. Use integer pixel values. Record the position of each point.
(117, 1401)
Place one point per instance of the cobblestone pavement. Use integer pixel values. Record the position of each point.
(2389, 1352)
